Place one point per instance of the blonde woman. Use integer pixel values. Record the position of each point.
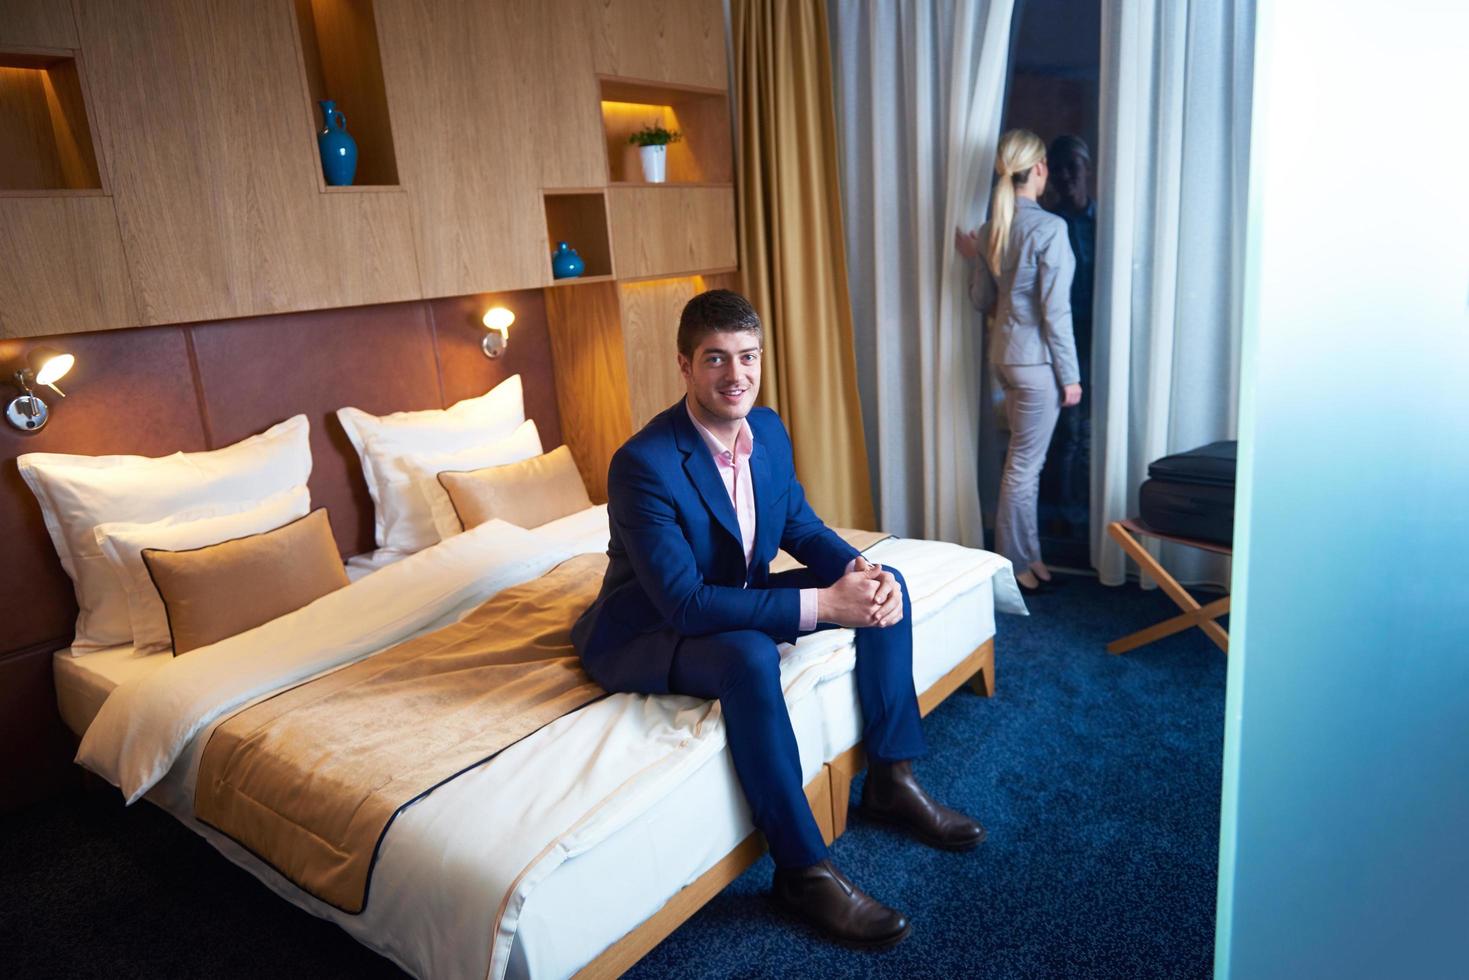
(1022, 279)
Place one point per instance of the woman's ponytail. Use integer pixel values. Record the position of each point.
(1002, 212)
(1020, 149)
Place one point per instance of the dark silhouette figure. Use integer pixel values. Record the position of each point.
(1065, 496)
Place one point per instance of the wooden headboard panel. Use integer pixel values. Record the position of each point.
(158, 390)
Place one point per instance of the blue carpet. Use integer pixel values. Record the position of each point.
(1097, 777)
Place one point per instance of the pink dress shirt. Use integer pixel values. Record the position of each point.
(734, 469)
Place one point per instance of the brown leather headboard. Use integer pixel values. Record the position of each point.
(158, 390)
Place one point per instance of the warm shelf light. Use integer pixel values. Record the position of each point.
(497, 321)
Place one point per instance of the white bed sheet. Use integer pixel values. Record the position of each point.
(365, 564)
(583, 532)
(665, 807)
(84, 680)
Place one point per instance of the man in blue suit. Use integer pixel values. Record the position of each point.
(700, 500)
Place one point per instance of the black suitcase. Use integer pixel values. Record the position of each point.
(1191, 495)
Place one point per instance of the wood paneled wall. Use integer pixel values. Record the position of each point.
(662, 231)
(214, 175)
(650, 312)
(212, 204)
(680, 41)
(490, 102)
(37, 24)
(348, 71)
(62, 266)
(591, 377)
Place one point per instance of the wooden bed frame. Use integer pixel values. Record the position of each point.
(829, 794)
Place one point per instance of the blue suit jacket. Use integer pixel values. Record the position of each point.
(677, 562)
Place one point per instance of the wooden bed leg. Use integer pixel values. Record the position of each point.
(976, 669)
(819, 795)
(983, 681)
(843, 769)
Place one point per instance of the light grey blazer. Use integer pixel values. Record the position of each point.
(1031, 302)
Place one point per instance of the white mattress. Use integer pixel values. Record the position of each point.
(83, 681)
(590, 897)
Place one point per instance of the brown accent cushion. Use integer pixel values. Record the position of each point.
(215, 592)
(529, 493)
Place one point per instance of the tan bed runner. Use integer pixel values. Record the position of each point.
(310, 780)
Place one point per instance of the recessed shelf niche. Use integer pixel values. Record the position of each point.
(579, 218)
(44, 133)
(342, 62)
(703, 156)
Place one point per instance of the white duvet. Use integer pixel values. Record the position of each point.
(456, 867)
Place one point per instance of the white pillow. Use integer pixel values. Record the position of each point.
(124, 542)
(412, 505)
(77, 493)
(524, 443)
(398, 525)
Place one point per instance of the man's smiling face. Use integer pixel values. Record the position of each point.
(723, 376)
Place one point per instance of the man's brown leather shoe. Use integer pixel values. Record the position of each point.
(892, 795)
(827, 900)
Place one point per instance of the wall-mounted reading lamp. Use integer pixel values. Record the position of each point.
(497, 321)
(44, 366)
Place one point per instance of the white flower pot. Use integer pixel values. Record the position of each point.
(655, 163)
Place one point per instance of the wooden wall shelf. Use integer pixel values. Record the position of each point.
(693, 273)
(578, 280)
(58, 192)
(579, 218)
(680, 183)
(341, 61)
(705, 154)
(44, 130)
(363, 189)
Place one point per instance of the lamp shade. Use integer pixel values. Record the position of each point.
(49, 364)
(499, 318)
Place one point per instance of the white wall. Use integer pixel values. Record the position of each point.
(1345, 847)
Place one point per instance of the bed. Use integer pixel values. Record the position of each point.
(630, 790)
(449, 899)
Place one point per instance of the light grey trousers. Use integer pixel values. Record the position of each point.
(1032, 406)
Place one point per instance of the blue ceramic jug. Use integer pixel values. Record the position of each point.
(338, 149)
(565, 263)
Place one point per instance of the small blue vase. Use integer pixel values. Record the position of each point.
(338, 149)
(565, 263)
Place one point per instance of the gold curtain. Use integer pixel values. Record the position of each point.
(792, 251)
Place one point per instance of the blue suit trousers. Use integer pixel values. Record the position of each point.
(742, 670)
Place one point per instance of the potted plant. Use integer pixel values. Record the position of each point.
(652, 142)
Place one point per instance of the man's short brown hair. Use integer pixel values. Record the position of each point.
(716, 311)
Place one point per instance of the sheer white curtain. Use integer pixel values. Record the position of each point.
(1174, 154)
(919, 89)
